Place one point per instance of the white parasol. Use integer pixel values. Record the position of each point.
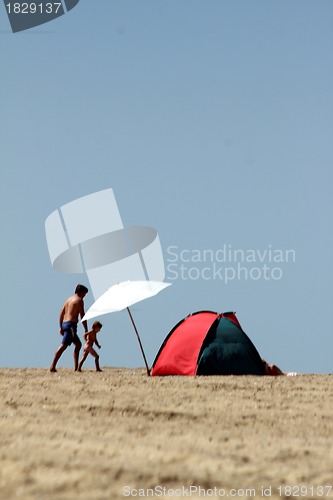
(121, 296)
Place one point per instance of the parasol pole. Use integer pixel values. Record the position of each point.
(137, 334)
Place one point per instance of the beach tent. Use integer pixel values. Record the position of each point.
(208, 343)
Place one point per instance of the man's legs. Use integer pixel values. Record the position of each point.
(78, 345)
(84, 357)
(57, 355)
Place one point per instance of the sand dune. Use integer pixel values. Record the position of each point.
(119, 434)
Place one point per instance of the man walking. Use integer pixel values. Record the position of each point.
(68, 320)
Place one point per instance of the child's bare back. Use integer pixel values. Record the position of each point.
(90, 337)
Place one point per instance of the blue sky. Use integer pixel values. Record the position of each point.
(212, 122)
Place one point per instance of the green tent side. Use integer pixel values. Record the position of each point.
(227, 350)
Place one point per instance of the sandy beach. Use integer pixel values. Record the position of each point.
(121, 434)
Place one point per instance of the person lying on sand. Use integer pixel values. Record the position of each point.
(68, 320)
(91, 339)
(272, 369)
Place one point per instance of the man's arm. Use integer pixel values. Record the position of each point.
(61, 318)
(82, 313)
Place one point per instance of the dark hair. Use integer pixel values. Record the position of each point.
(96, 324)
(80, 289)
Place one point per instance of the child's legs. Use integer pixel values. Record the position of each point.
(96, 356)
(97, 364)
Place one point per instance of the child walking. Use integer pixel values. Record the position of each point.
(91, 339)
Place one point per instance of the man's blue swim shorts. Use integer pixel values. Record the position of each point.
(70, 335)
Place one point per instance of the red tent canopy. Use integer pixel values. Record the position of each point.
(180, 350)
